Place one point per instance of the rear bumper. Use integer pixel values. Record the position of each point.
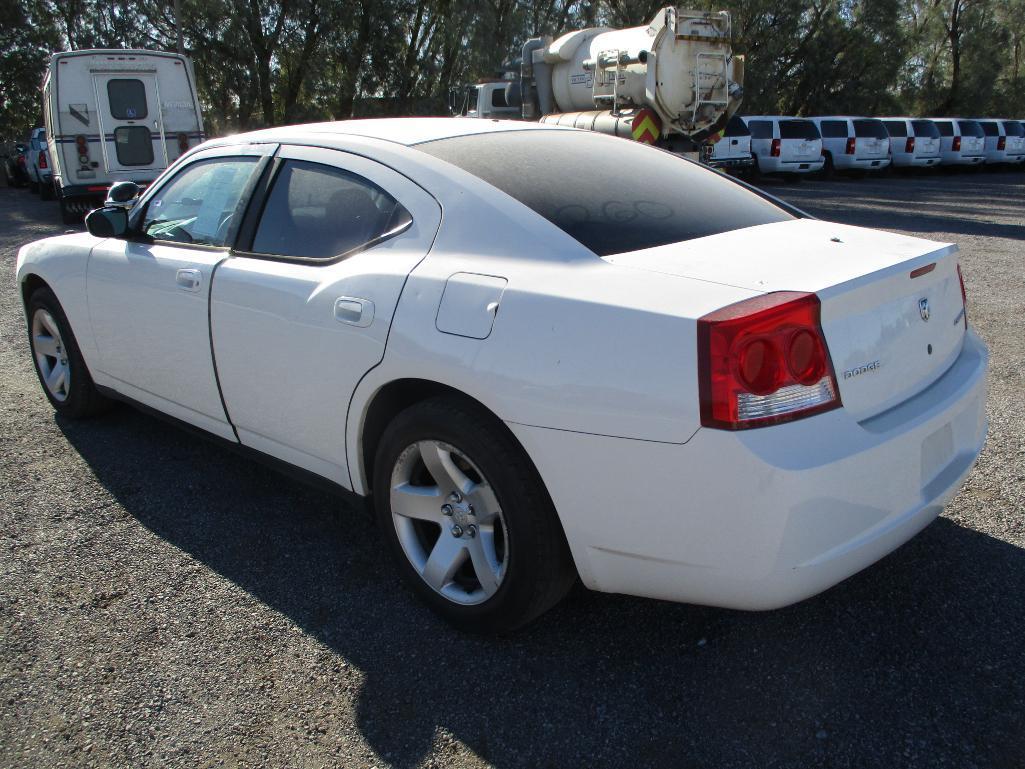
(777, 166)
(730, 163)
(908, 161)
(763, 518)
(950, 159)
(845, 162)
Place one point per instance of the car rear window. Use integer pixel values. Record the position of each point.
(990, 128)
(611, 195)
(926, 129)
(896, 128)
(870, 129)
(127, 98)
(798, 129)
(1011, 128)
(834, 129)
(970, 128)
(736, 127)
(945, 127)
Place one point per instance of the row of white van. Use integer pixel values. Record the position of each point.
(780, 144)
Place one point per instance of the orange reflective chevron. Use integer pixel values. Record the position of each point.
(645, 127)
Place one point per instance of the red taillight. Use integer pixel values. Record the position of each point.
(82, 145)
(964, 296)
(851, 141)
(183, 143)
(774, 151)
(1001, 143)
(956, 144)
(764, 361)
(42, 160)
(909, 145)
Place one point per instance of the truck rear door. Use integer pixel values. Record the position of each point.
(130, 122)
(800, 141)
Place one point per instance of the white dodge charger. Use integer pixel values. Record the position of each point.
(541, 354)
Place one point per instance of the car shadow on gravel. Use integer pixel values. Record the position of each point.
(917, 661)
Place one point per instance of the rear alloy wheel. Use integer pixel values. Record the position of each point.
(62, 371)
(471, 524)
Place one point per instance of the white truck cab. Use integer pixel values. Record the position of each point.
(785, 145)
(116, 115)
(914, 142)
(853, 143)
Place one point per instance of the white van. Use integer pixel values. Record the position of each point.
(785, 145)
(962, 142)
(116, 115)
(914, 142)
(853, 143)
(1004, 144)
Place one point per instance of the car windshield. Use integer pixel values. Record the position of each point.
(926, 129)
(798, 129)
(870, 129)
(611, 195)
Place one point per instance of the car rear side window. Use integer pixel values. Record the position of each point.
(202, 204)
(134, 145)
(611, 195)
(1012, 128)
(127, 99)
(760, 129)
(317, 211)
(970, 128)
(870, 129)
(798, 129)
(896, 128)
(926, 129)
(945, 127)
(834, 129)
(736, 127)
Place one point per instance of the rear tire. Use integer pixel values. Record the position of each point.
(46, 191)
(69, 216)
(496, 558)
(827, 168)
(59, 365)
(33, 187)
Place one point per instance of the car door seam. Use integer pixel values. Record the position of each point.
(213, 353)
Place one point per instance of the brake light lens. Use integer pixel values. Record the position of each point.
(964, 296)
(1001, 143)
(82, 145)
(183, 143)
(850, 145)
(956, 144)
(764, 361)
(909, 145)
(774, 150)
(42, 160)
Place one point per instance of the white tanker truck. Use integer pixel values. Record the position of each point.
(674, 82)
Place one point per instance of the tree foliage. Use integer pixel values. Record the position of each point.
(266, 62)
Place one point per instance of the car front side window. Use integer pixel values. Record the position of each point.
(200, 205)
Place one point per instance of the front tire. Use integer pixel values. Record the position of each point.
(58, 361)
(467, 517)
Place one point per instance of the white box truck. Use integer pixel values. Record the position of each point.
(116, 115)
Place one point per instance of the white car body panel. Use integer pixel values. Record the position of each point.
(590, 362)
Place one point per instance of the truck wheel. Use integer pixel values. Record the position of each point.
(33, 186)
(68, 214)
(59, 364)
(467, 518)
(827, 167)
(46, 191)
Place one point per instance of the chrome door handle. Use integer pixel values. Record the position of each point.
(188, 279)
(354, 311)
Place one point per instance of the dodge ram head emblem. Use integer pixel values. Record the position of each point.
(923, 309)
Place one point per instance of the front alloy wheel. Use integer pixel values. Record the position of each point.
(51, 355)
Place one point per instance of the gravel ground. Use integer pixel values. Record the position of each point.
(166, 603)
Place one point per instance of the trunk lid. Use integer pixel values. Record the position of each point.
(889, 335)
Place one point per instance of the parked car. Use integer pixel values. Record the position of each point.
(962, 142)
(785, 145)
(40, 175)
(853, 144)
(672, 386)
(914, 142)
(1003, 146)
(15, 172)
(733, 150)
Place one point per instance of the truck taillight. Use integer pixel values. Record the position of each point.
(774, 150)
(964, 296)
(909, 145)
(956, 144)
(763, 361)
(850, 145)
(1002, 143)
(82, 145)
(42, 160)
(183, 143)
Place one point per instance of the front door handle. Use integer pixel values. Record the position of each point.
(189, 280)
(354, 311)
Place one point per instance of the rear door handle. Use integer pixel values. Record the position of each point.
(354, 311)
(189, 279)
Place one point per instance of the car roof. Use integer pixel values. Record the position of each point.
(402, 130)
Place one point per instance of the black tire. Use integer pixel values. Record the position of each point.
(82, 398)
(68, 216)
(827, 167)
(538, 567)
(46, 191)
(33, 187)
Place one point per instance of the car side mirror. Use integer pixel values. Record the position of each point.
(108, 222)
(122, 195)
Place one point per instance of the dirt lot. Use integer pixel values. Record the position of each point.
(166, 603)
